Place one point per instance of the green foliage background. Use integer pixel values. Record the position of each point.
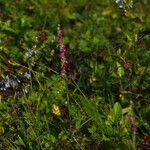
(109, 45)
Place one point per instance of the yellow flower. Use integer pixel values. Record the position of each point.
(56, 110)
(92, 79)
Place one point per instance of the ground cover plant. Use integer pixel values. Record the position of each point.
(75, 74)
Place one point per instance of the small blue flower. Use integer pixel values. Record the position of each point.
(5, 84)
(31, 52)
(26, 75)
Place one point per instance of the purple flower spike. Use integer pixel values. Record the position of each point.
(62, 52)
(64, 66)
(59, 37)
(65, 63)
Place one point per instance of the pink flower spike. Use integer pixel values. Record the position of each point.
(62, 51)
(59, 37)
(63, 48)
(64, 66)
(65, 63)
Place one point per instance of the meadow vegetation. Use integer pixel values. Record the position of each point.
(74, 74)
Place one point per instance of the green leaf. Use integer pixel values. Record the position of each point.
(107, 11)
(120, 70)
(92, 130)
(126, 110)
(145, 111)
(19, 141)
(117, 113)
(92, 111)
(78, 123)
(122, 146)
(83, 46)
